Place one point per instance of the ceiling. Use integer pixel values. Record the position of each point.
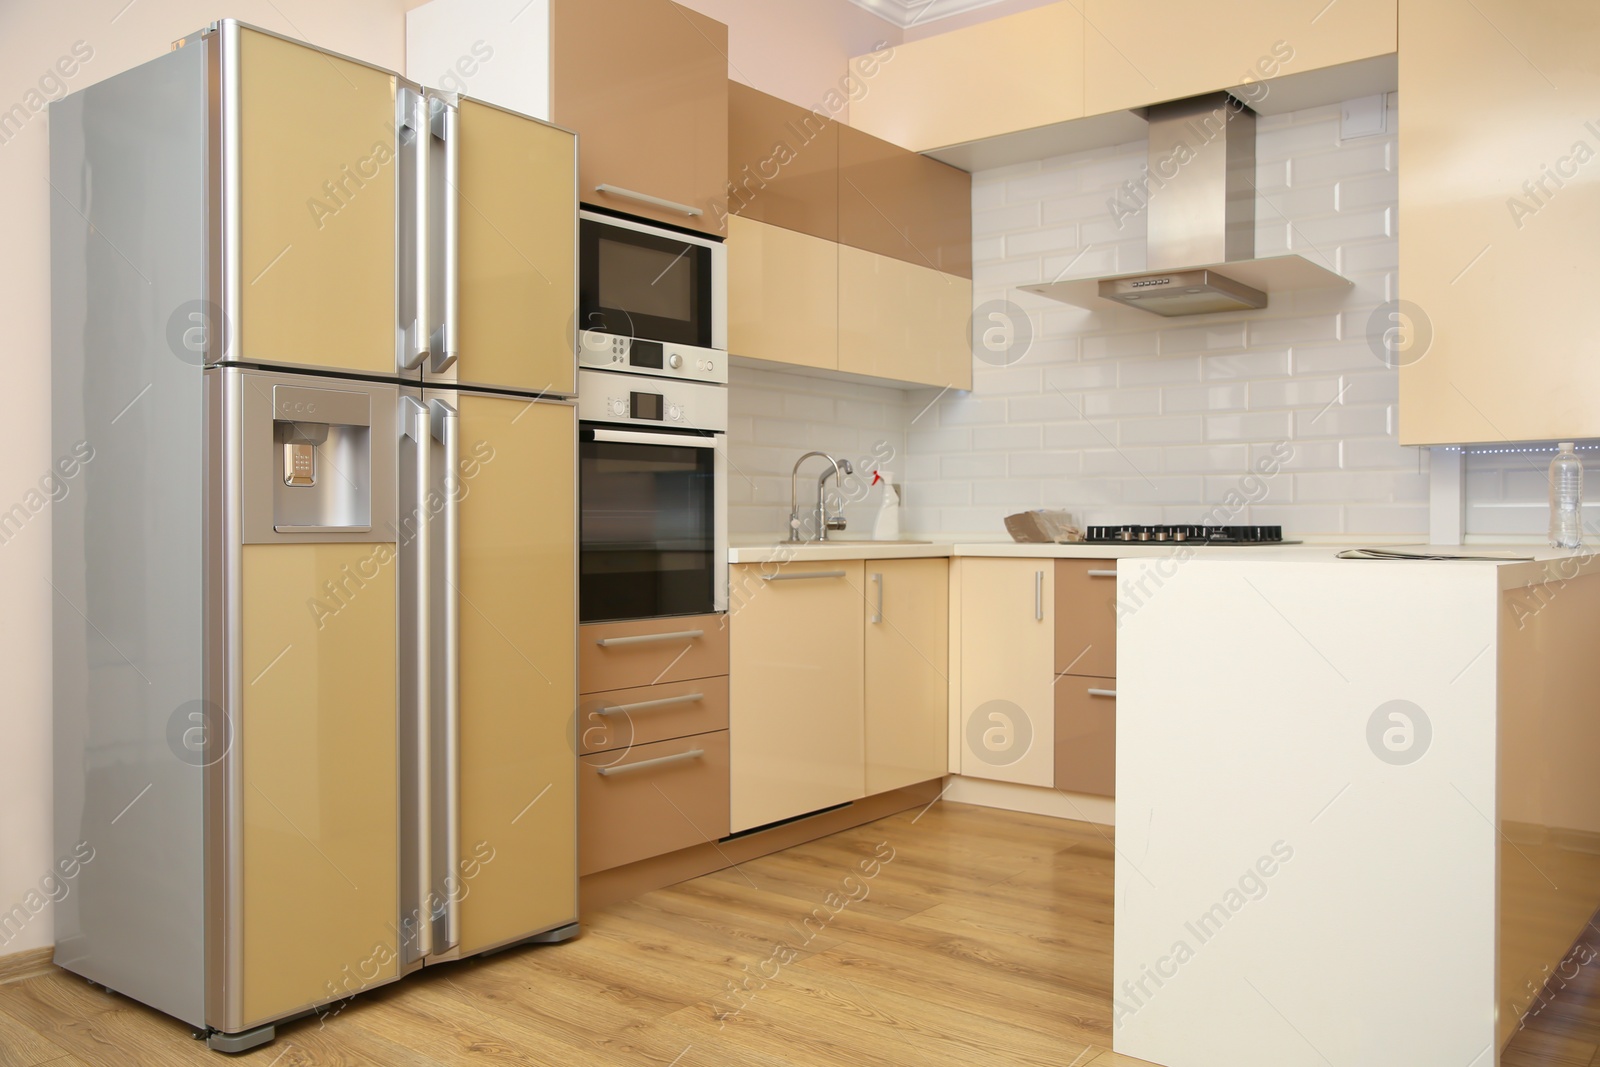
(908, 13)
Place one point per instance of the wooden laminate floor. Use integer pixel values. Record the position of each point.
(946, 938)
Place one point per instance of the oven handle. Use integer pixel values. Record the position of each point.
(645, 437)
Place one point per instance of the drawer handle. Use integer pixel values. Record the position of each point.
(693, 753)
(1038, 596)
(1112, 693)
(801, 577)
(1101, 574)
(877, 616)
(650, 639)
(647, 705)
(646, 198)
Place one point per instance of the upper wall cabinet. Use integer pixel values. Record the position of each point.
(1144, 53)
(1006, 74)
(897, 203)
(1499, 206)
(783, 163)
(643, 82)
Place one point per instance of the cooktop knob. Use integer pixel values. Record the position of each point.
(674, 361)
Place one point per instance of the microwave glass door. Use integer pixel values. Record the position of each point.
(648, 530)
(652, 286)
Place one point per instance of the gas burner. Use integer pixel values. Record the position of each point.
(1184, 534)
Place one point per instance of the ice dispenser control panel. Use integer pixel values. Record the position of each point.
(322, 459)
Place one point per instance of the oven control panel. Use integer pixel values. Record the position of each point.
(636, 400)
(608, 351)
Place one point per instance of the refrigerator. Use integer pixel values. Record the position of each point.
(313, 582)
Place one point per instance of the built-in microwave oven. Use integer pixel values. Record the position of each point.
(651, 300)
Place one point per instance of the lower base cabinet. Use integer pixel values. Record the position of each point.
(838, 683)
(1086, 735)
(648, 800)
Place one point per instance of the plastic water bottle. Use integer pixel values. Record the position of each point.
(1566, 498)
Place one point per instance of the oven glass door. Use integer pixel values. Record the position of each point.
(647, 541)
(652, 286)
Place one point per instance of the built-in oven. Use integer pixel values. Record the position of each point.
(651, 300)
(652, 497)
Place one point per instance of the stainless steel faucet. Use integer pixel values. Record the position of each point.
(840, 468)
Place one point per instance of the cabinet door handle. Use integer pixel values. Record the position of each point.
(650, 705)
(649, 639)
(646, 198)
(1112, 693)
(1101, 574)
(1038, 596)
(693, 753)
(877, 616)
(801, 577)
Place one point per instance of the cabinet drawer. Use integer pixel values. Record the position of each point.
(623, 718)
(624, 655)
(1086, 617)
(651, 799)
(1086, 735)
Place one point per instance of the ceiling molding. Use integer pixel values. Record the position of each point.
(908, 13)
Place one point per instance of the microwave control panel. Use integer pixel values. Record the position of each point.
(632, 399)
(608, 351)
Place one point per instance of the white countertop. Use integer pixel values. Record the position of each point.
(770, 552)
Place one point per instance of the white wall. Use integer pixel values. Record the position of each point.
(1123, 416)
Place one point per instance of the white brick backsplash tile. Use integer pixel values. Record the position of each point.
(1350, 161)
(1369, 256)
(1244, 365)
(1080, 263)
(808, 407)
(1121, 345)
(1355, 355)
(1079, 434)
(1205, 459)
(966, 409)
(988, 249)
(1143, 462)
(1191, 398)
(1402, 519)
(1254, 426)
(1299, 139)
(1291, 393)
(1013, 218)
(1298, 456)
(1255, 487)
(1276, 331)
(1207, 337)
(1375, 487)
(1007, 438)
(1168, 430)
(1382, 453)
(1159, 489)
(1120, 403)
(1322, 235)
(1044, 185)
(1368, 191)
(1019, 379)
(1050, 406)
(1042, 241)
(1073, 376)
(1087, 207)
(1165, 370)
(973, 467)
(1300, 520)
(1045, 464)
(1015, 495)
(1342, 422)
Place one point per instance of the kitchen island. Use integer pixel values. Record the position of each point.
(1358, 817)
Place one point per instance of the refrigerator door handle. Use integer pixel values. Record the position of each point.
(445, 428)
(415, 424)
(413, 142)
(445, 124)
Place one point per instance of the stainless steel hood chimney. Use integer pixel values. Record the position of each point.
(1198, 195)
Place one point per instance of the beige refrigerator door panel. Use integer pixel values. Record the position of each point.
(316, 737)
(316, 209)
(518, 668)
(795, 690)
(517, 203)
(907, 670)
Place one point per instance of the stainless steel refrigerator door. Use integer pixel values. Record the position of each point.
(500, 632)
(307, 794)
(503, 249)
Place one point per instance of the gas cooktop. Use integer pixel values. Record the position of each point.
(1199, 535)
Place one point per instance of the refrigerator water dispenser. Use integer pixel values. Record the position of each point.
(323, 465)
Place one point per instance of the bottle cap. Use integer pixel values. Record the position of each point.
(1567, 446)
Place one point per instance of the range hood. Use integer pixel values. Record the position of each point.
(1199, 201)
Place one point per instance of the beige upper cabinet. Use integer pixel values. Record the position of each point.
(518, 246)
(783, 295)
(316, 209)
(795, 685)
(903, 322)
(1011, 73)
(1006, 718)
(1139, 54)
(645, 84)
(1499, 205)
(907, 669)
